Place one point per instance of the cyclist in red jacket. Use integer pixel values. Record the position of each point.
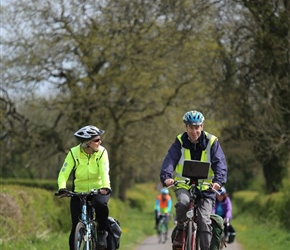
(163, 205)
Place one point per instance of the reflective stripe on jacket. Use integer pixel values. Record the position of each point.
(205, 157)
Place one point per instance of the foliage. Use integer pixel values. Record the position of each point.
(133, 69)
(251, 231)
(50, 185)
(283, 205)
(243, 168)
(124, 69)
(30, 211)
(272, 208)
(256, 82)
(252, 234)
(36, 231)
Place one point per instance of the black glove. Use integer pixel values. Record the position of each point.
(108, 191)
(62, 191)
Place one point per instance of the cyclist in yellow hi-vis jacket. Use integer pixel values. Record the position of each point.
(194, 144)
(89, 164)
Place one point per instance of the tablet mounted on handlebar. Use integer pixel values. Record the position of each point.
(195, 170)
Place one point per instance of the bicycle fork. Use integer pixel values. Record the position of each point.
(88, 233)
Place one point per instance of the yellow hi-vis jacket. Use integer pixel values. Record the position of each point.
(205, 157)
(90, 171)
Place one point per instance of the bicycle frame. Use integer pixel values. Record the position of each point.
(190, 237)
(85, 235)
(87, 220)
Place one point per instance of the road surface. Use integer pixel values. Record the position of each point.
(151, 243)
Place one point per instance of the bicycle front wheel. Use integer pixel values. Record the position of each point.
(83, 240)
(196, 240)
(191, 242)
(188, 241)
(163, 233)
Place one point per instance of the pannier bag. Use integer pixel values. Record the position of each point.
(173, 234)
(231, 233)
(114, 234)
(217, 224)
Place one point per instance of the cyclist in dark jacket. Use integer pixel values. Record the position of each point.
(196, 144)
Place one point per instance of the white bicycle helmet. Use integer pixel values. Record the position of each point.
(193, 118)
(87, 133)
(222, 191)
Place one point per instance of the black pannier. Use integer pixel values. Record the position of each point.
(114, 234)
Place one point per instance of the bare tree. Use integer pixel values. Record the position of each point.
(120, 65)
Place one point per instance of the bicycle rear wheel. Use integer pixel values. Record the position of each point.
(82, 240)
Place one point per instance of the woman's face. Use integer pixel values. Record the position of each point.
(220, 197)
(95, 143)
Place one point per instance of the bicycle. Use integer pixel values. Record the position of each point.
(190, 240)
(85, 232)
(229, 234)
(162, 228)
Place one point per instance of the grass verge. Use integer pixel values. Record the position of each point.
(136, 217)
(253, 234)
(33, 209)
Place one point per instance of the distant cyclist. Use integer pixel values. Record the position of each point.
(163, 205)
(223, 208)
(89, 164)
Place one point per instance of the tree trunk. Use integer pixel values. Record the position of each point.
(274, 170)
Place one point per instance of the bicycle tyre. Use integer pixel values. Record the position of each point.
(162, 231)
(196, 240)
(80, 241)
(189, 242)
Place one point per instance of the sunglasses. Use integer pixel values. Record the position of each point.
(96, 140)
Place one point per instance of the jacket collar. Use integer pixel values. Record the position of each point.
(201, 145)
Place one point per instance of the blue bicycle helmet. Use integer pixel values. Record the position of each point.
(164, 191)
(223, 191)
(193, 118)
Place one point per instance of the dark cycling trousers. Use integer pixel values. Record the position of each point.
(100, 203)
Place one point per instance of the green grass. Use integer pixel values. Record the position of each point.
(136, 223)
(45, 242)
(253, 234)
(26, 225)
(133, 232)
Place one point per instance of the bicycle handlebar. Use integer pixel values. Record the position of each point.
(71, 193)
(187, 181)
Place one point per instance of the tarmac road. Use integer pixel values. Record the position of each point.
(151, 243)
